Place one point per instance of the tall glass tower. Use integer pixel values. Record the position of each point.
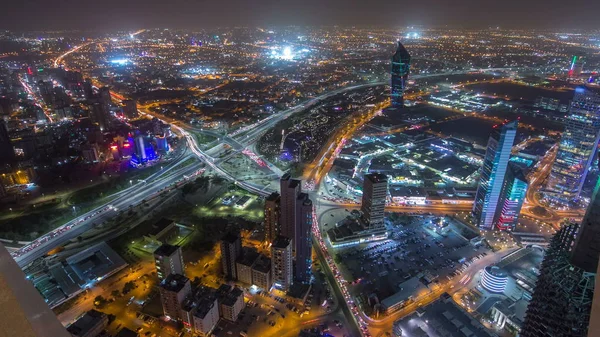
(488, 200)
(577, 147)
(512, 197)
(400, 70)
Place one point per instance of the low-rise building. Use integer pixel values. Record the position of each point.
(89, 325)
(231, 302)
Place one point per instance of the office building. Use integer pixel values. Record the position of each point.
(89, 325)
(512, 196)
(231, 302)
(130, 109)
(168, 260)
(586, 252)
(231, 249)
(290, 189)
(281, 262)
(400, 70)
(24, 313)
(173, 291)
(101, 115)
(577, 147)
(140, 148)
(200, 311)
(261, 273)
(488, 200)
(272, 214)
(304, 222)
(7, 152)
(375, 189)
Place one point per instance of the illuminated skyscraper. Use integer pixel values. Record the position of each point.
(304, 221)
(512, 197)
(290, 189)
(272, 213)
(400, 70)
(375, 187)
(577, 147)
(488, 200)
(281, 262)
(576, 66)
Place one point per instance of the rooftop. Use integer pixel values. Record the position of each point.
(166, 250)
(281, 242)
(174, 282)
(376, 177)
(86, 323)
(127, 333)
(249, 255)
(262, 264)
(231, 237)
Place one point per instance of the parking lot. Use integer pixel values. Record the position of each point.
(419, 246)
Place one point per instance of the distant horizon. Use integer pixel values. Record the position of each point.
(34, 15)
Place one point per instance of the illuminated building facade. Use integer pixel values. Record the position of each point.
(281, 262)
(290, 189)
(576, 148)
(400, 70)
(494, 279)
(375, 188)
(576, 66)
(272, 213)
(304, 221)
(488, 200)
(173, 291)
(512, 197)
(168, 260)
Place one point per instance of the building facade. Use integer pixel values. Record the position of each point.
(576, 148)
(168, 260)
(290, 189)
(173, 291)
(513, 194)
(400, 71)
(272, 214)
(231, 302)
(231, 250)
(281, 262)
(375, 189)
(488, 200)
(304, 222)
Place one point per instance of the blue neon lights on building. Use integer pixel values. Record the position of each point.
(488, 200)
(400, 70)
(494, 279)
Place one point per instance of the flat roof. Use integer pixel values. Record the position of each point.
(281, 242)
(376, 177)
(174, 282)
(166, 250)
(408, 288)
(249, 255)
(86, 323)
(160, 225)
(230, 237)
(127, 333)
(262, 264)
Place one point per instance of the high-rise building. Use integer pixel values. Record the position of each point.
(173, 291)
(261, 272)
(101, 115)
(562, 299)
(375, 188)
(577, 147)
(168, 260)
(586, 252)
(512, 196)
(272, 214)
(200, 311)
(231, 302)
(400, 70)
(24, 313)
(130, 108)
(289, 189)
(576, 66)
(488, 200)
(304, 222)
(104, 94)
(231, 249)
(281, 262)
(7, 152)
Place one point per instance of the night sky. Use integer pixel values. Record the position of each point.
(113, 15)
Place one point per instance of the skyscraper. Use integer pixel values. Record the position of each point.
(281, 262)
(104, 94)
(488, 200)
(24, 313)
(512, 197)
(400, 70)
(7, 152)
(100, 115)
(168, 260)
(130, 108)
(561, 303)
(272, 214)
(375, 187)
(576, 148)
(304, 221)
(231, 249)
(290, 189)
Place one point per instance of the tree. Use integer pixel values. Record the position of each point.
(129, 286)
(115, 293)
(99, 301)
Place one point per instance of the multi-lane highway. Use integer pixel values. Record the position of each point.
(151, 188)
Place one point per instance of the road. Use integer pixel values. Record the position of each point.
(133, 195)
